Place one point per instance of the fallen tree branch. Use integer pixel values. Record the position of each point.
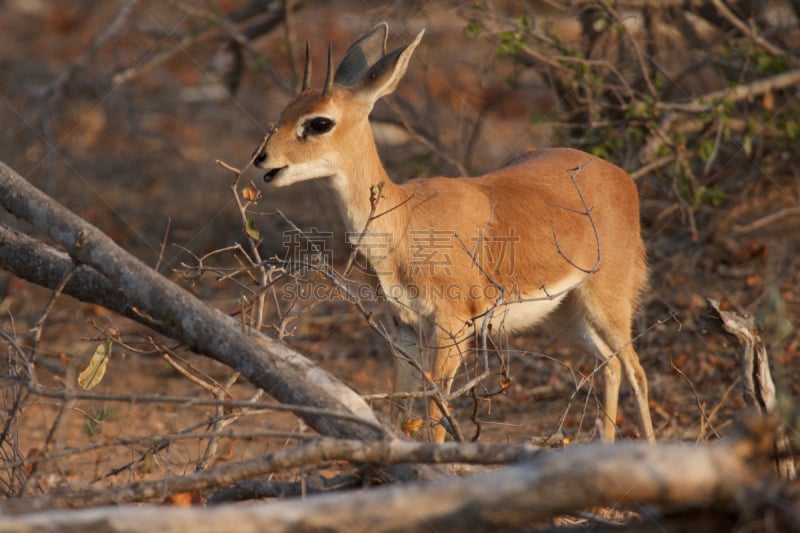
(155, 301)
(376, 453)
(35, 261)
(554, 483)
(258, 489)
(43, 265)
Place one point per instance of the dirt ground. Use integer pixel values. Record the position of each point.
(137, 160)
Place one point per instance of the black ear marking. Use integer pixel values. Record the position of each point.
(361, 55)
(383, 67)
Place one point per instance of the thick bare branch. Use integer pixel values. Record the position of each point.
(280, 371)
(376, 453)
(554, 483)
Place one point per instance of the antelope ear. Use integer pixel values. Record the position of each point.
(361, 55)
(382, 78)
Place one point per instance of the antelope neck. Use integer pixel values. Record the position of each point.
(354, 186)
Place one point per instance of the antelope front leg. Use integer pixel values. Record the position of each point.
(408, 362)
(446, 363)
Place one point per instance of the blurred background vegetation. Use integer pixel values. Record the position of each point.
(119, 109)
(106, 105)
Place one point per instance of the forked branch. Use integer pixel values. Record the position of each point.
(553, 483)
(165, 307)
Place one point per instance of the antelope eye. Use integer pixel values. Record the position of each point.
(317, 126)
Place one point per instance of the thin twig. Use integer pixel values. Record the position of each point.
(767, 220)
(705, 419)
(212, 448)
(180, 400)
(734, 21)
(37, 328)
(163, 244)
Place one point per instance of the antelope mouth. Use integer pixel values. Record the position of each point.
(272, 174)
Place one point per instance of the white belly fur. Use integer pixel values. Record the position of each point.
(520, 316)
(530, 309)
(517, 313)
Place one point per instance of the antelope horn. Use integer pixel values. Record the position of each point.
(307, 69)
(326, 89)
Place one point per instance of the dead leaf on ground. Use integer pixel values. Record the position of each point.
(93, 374)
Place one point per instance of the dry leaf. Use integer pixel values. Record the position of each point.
(93, 374)
(30, 468)
(251, 192)
(147, 464)
(753, 280)
(183, 499)
(768, 101)
(95, 310)
(411, 425)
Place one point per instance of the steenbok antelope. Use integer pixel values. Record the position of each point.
(555, 235)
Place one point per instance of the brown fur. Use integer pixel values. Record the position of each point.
(454, 243)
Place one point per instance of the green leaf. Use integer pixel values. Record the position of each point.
(96, 420)
(473, 29)
(705, 148)
(252, 230)
(713, 195)
(511, 42)
(93, 374)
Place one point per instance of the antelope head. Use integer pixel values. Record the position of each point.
(322, 132)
